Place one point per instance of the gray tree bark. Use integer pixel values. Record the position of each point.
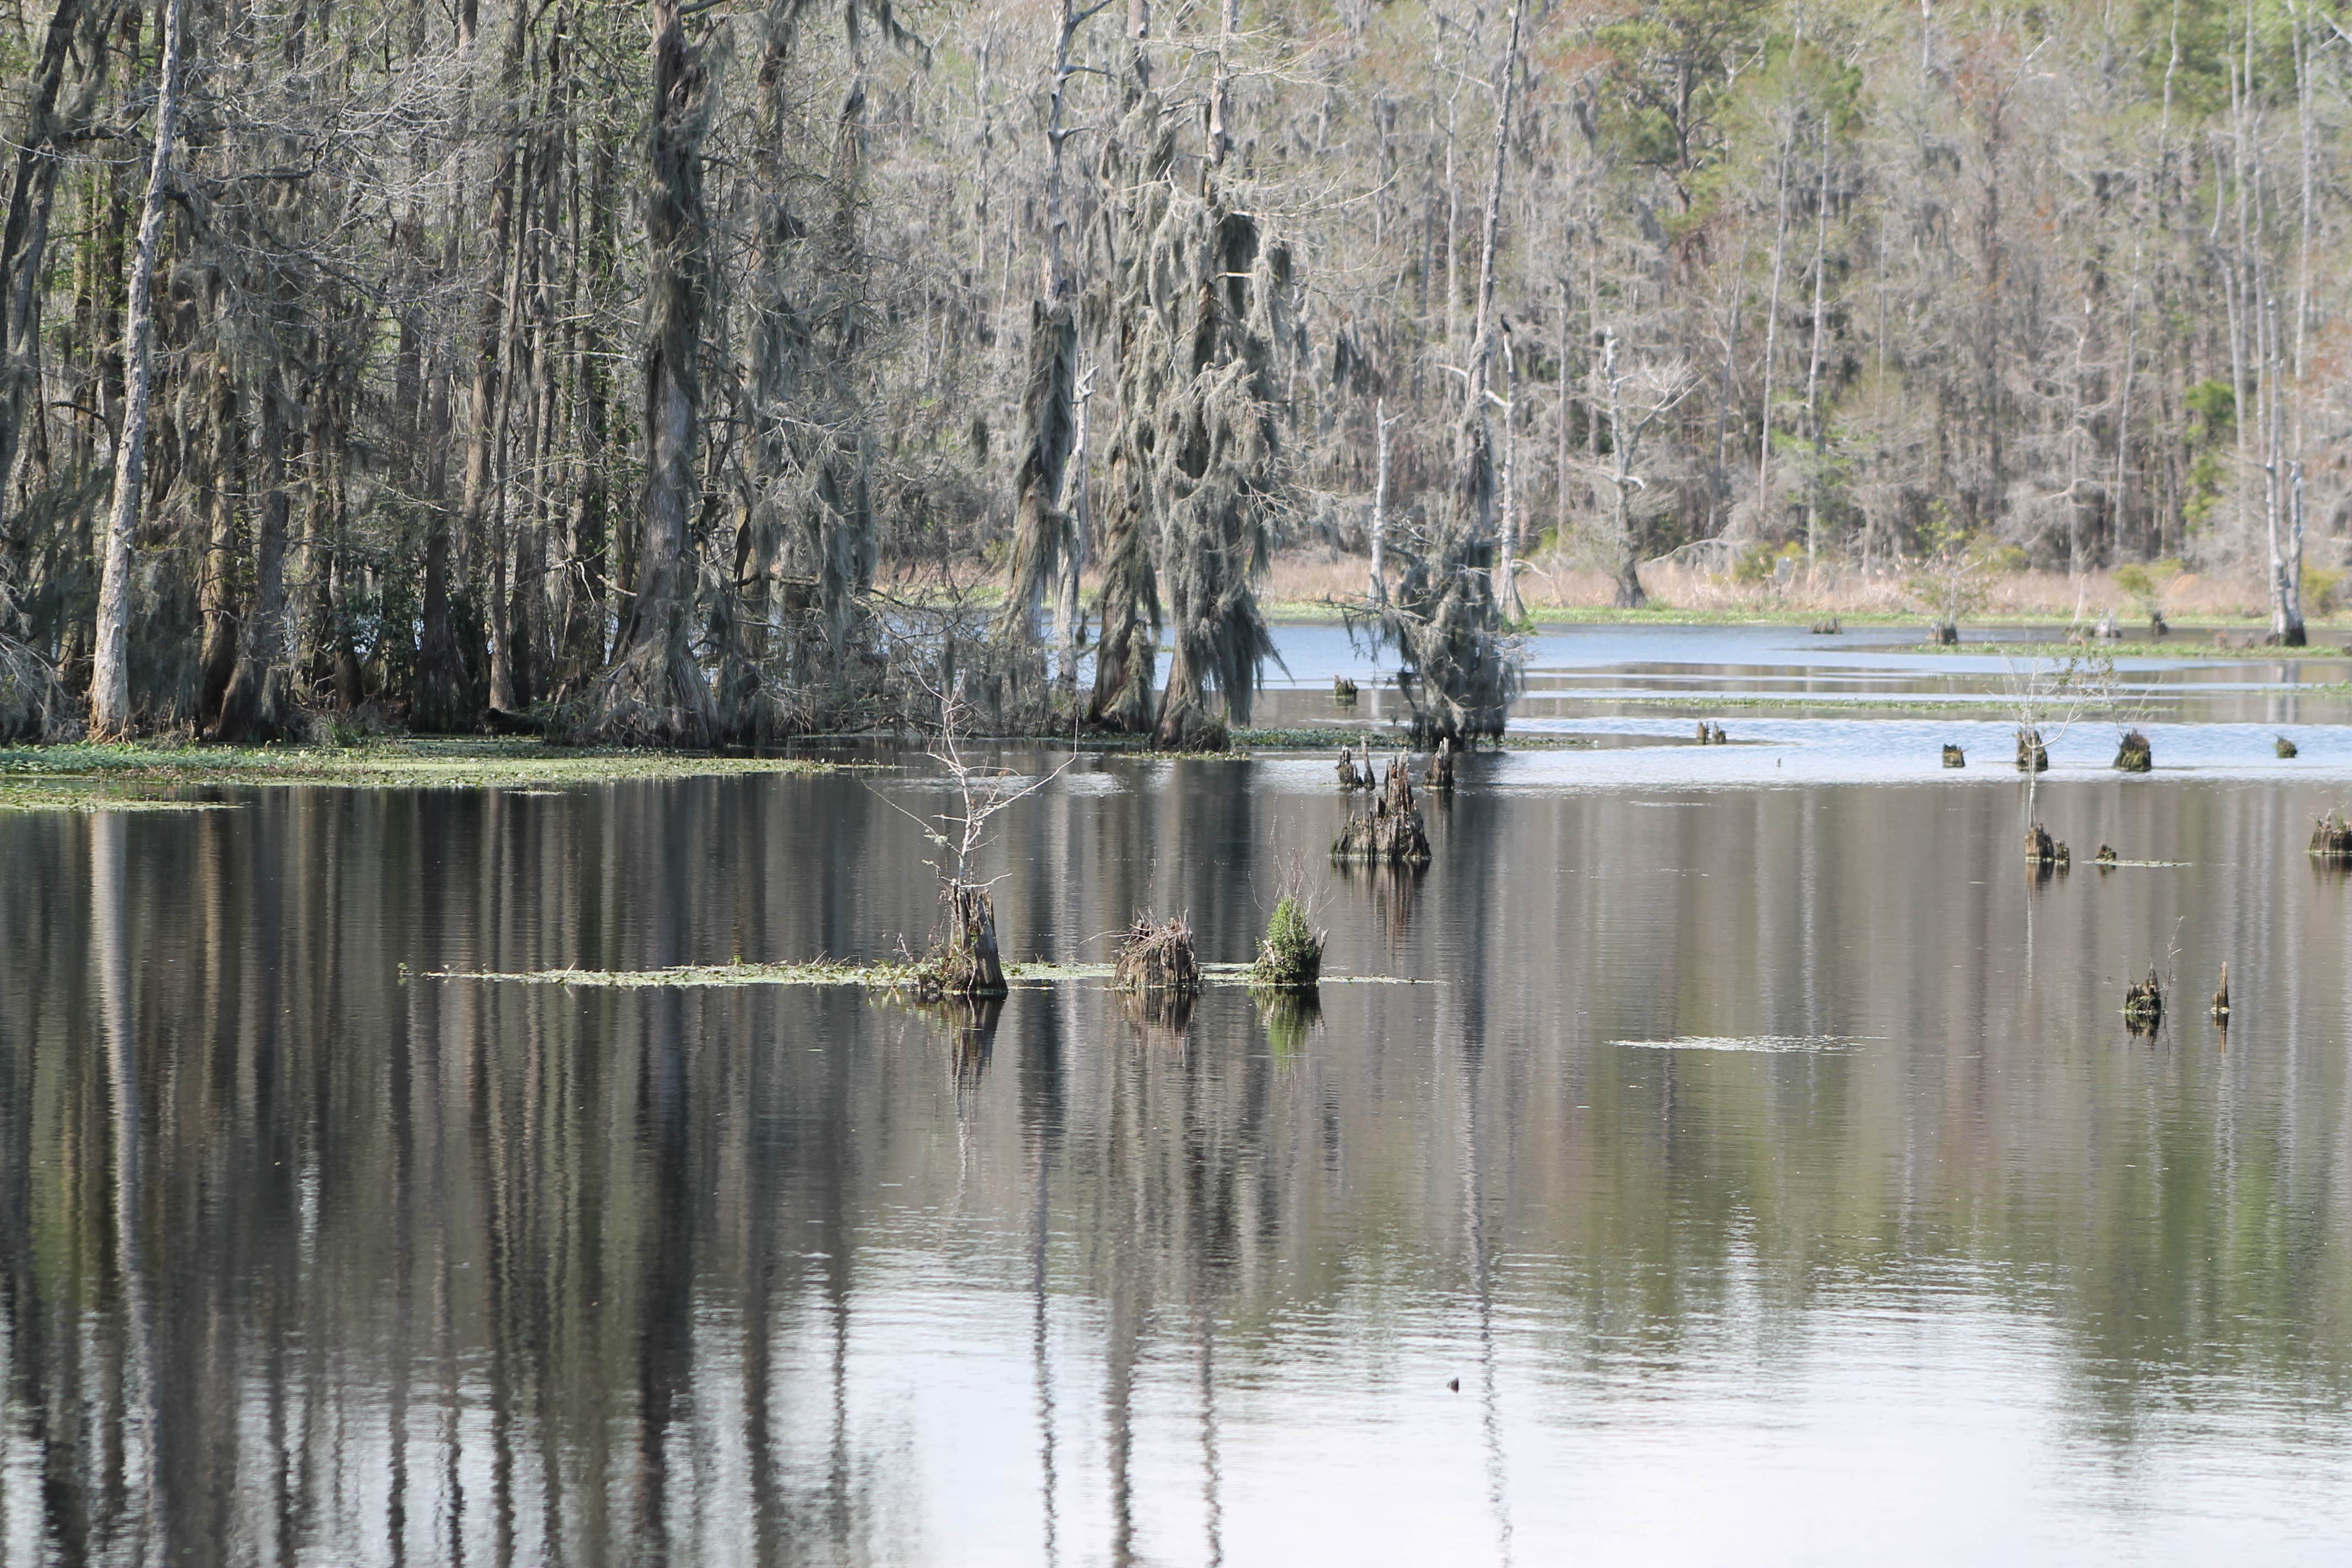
(110, 686)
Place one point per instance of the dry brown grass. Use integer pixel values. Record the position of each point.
(1311, 577)
(1315, 577)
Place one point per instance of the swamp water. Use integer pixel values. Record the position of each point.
(1732, 1163)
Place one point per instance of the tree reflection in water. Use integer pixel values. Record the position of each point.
(311, 1259)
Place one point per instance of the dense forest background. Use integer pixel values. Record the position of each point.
(738, 368)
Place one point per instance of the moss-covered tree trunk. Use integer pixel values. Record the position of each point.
(654, 691)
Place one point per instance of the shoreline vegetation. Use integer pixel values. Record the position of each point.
(84, 776)
(159, 775)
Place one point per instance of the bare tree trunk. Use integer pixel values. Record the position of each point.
(1474, 454)
(585, 601)
(1041, 530)
(1813, 363)
(221, 449)
(1069, 616)
(1560, 467)
(1506, 586)
(25, 237)
(1772, 300)
(1718, 481)
(110, 686)
(655, 691)
(1383, 423)
(1630, 595)
(255, 705)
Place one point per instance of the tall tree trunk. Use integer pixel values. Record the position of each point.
(655, 691)
(222, 450)
(1382, 424)
(1818, 478)
(586, 579)
(25, 238)
(110, 686)
(1041, 530)
(1474, 443)
(256, 706)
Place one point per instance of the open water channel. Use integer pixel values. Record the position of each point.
(1718, 1154)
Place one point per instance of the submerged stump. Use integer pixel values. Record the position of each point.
(1156, 957)
(2144, 1004)
(2105, 858)
(1386, 831)
(2132, 755)
(1827, 626)
(1343, 692)
(1946, 633)
(2032, 756)
(2043, 850)
(2221, 996)
(1955, 758)
(2285, 747)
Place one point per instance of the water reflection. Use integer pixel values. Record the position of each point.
(309, 1259)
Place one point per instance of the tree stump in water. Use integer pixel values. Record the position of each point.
(2032, 756)
(2132, 753)
(1946, 635)
(1440, 766)
(2332, 839)
(2042, 849)
(1291, 956)
(2144, 1004)
(1827, 626)
(2285, 747)
(1157, 956)
(1387, 831)
(1955, 758)
(2105, 858)
(1352, 778)
(2221, 997)
(965, 962)
(2106, 630)
(1343, 692)
(2156, 625)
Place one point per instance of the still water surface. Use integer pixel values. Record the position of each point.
(1754, 1169)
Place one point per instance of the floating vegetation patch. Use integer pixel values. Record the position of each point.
(94, 796)
(882, 976)
(67, 771)
(1770, 1044)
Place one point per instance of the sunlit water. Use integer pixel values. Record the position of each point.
(1756, 1169)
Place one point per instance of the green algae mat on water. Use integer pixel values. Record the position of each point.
(116, 778)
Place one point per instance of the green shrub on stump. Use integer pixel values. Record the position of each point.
(1291, 957)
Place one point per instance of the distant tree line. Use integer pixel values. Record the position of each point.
(699, 371)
